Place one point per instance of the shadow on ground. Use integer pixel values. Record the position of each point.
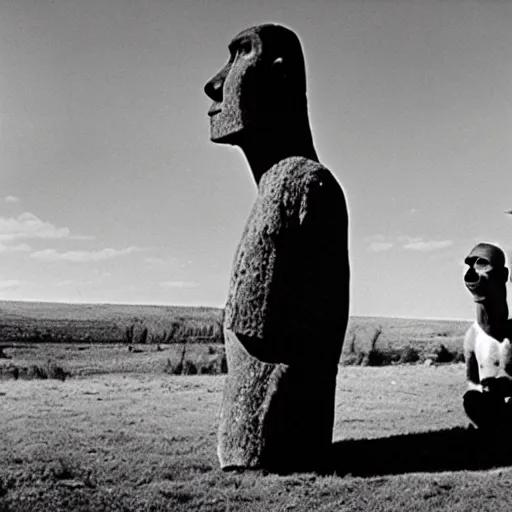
(443, 450)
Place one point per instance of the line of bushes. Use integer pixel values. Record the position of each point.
(375, 356)
(214, 363)
(49, 370)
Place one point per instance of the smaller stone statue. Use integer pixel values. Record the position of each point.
(487, 347)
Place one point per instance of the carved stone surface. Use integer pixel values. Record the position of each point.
(487, 343)
(290, 270)
(287, 307)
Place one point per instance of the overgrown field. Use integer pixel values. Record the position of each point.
(85, 339)
(147, 443)
(41, 322)
(91, 419)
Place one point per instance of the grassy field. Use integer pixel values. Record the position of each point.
(147, 442)
(122, 433)
(106, 323)
(24, 324)
(107, 358)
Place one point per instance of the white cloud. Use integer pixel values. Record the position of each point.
(410, 239)
(11, 199)
(431, 245)
(152, 261)
(76, 282)
(14, 248)
(380, 246)
(377, 238)
(379, 243)
(10, 283)
(178, 284)
(51, 255)
(27, 225)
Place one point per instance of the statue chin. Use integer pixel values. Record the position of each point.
(218, 137)
(476, 291)
(225, 128)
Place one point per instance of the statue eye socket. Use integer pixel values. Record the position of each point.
(244, 48)
(482, 264)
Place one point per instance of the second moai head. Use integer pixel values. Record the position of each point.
(487, 274)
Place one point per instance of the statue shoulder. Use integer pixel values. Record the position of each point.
(310, 171)
(311, 177)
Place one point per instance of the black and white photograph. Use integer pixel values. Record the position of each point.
(255, 255)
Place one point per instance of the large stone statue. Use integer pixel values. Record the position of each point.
(487, 348)
(287, 308)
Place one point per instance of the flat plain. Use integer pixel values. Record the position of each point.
(125, 436)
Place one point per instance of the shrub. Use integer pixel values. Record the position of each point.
(459, 357)
(192, 364)
(353, 359)
(443, 355)
(35, 371)
(56, 372)
(377, 357)
(50, 370)
(189, 368)
(409, 355)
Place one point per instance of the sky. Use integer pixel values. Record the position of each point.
(110, 190)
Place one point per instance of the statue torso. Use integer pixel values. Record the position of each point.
(271, 283)
(494, 357)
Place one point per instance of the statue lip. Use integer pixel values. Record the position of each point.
(214, 109)
(477, 291)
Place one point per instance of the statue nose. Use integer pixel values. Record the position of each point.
(213, 87)
(471, 276)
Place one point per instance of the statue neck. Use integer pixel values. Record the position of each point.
(267, 146)
(492, 316)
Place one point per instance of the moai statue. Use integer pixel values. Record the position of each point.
(487, 348)
(287, 308)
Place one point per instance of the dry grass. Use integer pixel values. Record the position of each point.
(124, 434)
(94, 359)
(43, 322)
(147, 442)
(107, 323)
(369, 341)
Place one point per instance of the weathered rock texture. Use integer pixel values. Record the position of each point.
(287, 309)
(290, 271)
(289, 291)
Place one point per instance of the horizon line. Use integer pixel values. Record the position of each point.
(113, 303)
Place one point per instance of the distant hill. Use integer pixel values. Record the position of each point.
(61, 322)
(65, 311)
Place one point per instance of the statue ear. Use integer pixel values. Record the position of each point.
(278, 69)
(506, 274)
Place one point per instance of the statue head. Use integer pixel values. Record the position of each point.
(263, 82)
(487, 274)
